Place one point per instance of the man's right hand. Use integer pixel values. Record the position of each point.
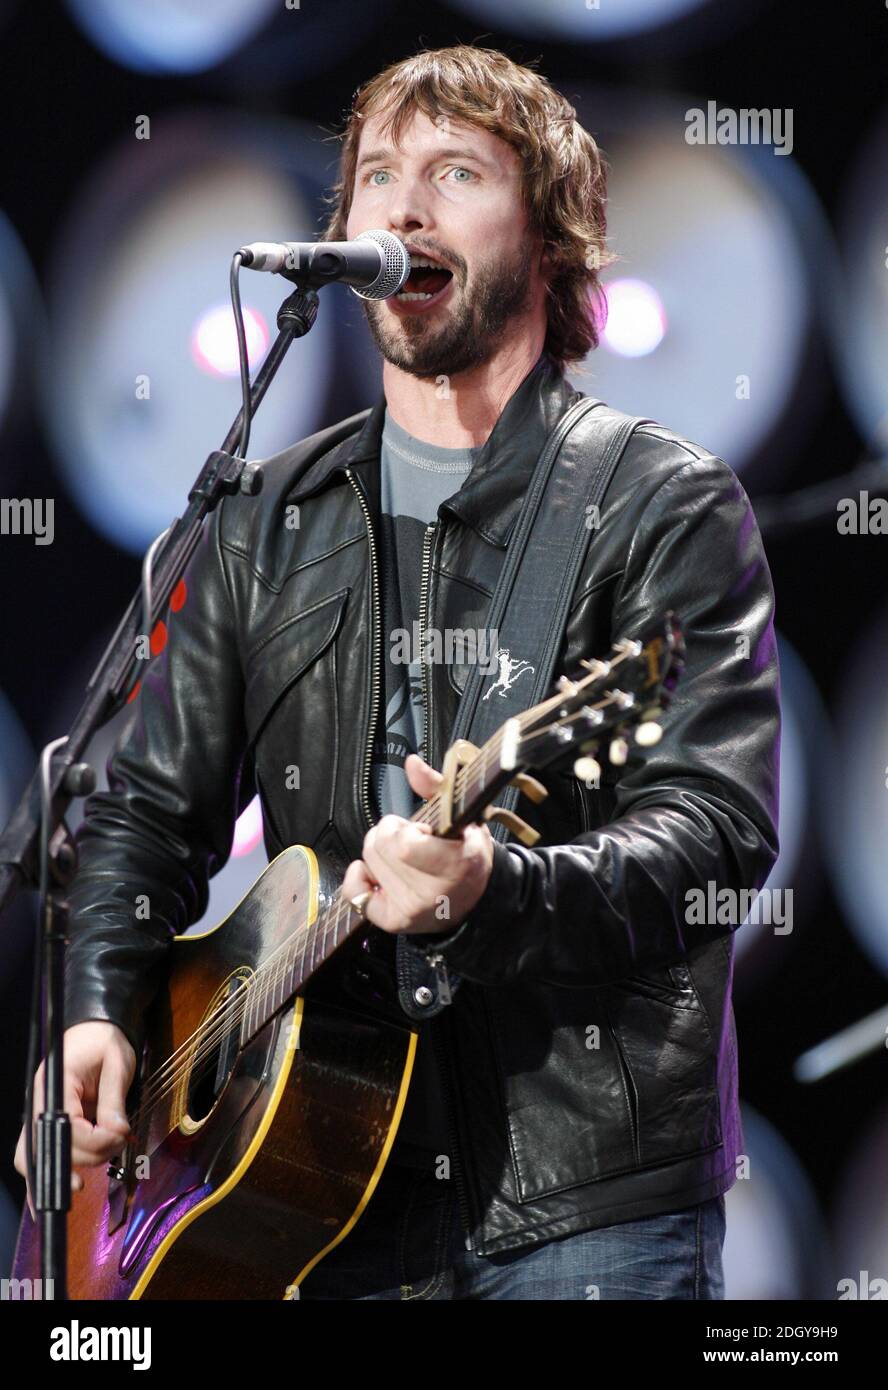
(99, 1068)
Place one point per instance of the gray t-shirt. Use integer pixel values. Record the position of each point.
(416, 477)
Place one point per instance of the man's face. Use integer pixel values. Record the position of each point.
(452, 193)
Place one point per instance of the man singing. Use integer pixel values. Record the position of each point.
(572, 1124)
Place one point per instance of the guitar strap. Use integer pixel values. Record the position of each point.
(544, 560)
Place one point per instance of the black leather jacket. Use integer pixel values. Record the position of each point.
(589, 1052)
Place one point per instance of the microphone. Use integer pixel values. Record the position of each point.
(375, 265)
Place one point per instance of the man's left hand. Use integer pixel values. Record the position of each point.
(420, 882)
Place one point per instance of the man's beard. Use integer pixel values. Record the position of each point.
(462, 337)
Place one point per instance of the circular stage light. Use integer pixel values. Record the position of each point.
(266, 44)
(776, 1246)
(636, 319)
(143, 385)
(214, 340)
(590, 21)
(806, 759)
(861, 1216)
(718, 247)
(856, 822)
(860, 312)
(171, 35)
(22, 330)
(18, 759)
(16, 767)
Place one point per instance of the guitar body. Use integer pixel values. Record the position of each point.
(267, 1106)
(250, 1162)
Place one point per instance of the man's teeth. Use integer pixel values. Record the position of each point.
(416, 262)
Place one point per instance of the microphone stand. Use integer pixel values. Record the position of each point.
(36, 847)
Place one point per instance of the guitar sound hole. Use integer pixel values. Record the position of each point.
(215, 1064)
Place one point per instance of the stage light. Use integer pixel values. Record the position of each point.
(142, 385)
(171, 35)
(22, 330)
(855, 827)
(859, 339)
(861, 1214)
(711, 305)
(636, 319)
(267, 43)
(17, 762)
(16, 767)
(776, 1245)
(806, 761)
(591, 21)
(214, 340)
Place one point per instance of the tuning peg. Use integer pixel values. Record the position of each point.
(588, 770)
(597, 668)
(618, 752)
(566, 685)
(648, 733)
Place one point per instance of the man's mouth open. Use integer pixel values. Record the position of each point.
(426, 285)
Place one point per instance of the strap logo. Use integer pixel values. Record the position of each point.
(509, 671)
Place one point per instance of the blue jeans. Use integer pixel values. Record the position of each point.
(410, 1244)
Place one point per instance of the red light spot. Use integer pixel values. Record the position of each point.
(158, 638)
(134, 692)
(178, 596)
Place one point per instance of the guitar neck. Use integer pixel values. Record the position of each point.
(577, 716)
(279, 978)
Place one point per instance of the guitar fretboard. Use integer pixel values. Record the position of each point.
(285, 973)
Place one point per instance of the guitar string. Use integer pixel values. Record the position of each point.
(266, 979)
(221, 1023)
(272, 970)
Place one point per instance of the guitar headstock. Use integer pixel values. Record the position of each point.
(619, 698)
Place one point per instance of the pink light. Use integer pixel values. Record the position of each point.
(248, 830)
(636, 319)
(214, 341)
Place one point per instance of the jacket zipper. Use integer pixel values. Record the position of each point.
(444, 992)
(424, 594)
(375, 681)
(440, 967)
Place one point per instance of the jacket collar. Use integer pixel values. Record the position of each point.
(490, 498)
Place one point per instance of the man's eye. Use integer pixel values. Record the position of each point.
(372, 178)
(460, 169)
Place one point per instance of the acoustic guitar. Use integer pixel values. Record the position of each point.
(261, 1119)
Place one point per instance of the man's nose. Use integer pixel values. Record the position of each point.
(409, 209)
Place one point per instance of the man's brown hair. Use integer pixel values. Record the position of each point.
(564, 174)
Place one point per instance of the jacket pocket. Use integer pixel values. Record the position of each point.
(670, 1055)
(292, 717)
(283, 655)
(601, 1082)
(570, 1110)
